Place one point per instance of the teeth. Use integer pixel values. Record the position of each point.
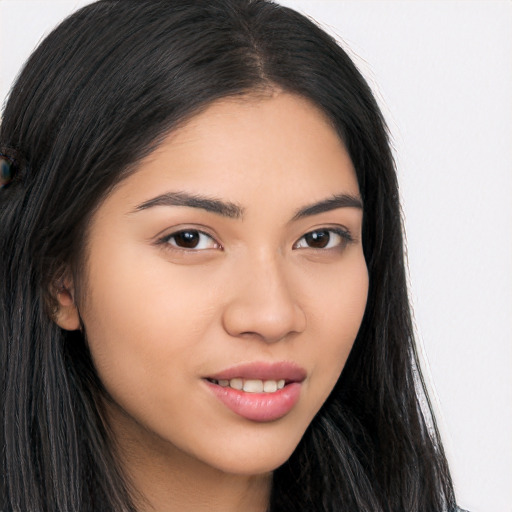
(270, 386)
(252, 385)
(236, 384)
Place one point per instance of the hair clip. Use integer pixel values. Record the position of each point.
(6, 170)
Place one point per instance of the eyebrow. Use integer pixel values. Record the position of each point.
(224, 208)
(234, 211)
(332, 203)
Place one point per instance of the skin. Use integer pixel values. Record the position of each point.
(160, 318)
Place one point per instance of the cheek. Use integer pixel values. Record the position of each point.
(141, 324)
(335, 323)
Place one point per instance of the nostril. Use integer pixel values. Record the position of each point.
(248, 320)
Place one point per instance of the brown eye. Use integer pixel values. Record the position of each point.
(191, 239)
(187, 239)
(318, 239)
(324, 239)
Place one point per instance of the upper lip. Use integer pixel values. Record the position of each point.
(290, 372)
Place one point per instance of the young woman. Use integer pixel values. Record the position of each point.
(203, 295)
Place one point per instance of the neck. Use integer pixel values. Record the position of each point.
(167, 490)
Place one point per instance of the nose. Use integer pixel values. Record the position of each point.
(263, 305)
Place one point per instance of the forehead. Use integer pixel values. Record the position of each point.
(250, 148)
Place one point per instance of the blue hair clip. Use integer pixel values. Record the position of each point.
(6, 170)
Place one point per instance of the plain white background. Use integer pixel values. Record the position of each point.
(442, 72)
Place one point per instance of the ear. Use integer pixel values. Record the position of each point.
(66, 316)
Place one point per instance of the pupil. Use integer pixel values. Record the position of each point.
(318, 239)
(187, 239)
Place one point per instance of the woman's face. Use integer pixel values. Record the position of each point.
(230, 259)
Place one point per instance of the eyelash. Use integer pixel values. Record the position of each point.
(167, 240)
(344, 235)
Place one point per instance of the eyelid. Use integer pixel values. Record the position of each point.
(342, 232)
(164, 240)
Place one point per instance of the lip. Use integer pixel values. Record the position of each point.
(260, 407)
(288, 371)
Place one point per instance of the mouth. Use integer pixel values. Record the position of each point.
(259, 392)
(251, 385)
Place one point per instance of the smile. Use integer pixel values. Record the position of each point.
(251, 385)
(260, 392)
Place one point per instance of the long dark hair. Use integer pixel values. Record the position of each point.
(97, 96)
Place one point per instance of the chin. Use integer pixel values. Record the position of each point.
(262, 466)
(263, 458)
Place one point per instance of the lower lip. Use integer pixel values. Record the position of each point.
(259, 407)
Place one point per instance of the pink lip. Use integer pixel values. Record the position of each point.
(260, 407)
(290, 372)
